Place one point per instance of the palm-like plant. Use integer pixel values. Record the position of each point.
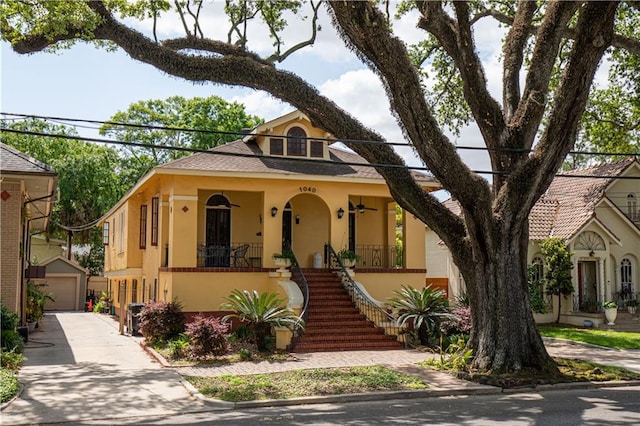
(261, 312)
(426, 308)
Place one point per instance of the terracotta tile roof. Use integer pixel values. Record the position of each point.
(240, 156)
(14, 161)
(576, 199)
(569, 202)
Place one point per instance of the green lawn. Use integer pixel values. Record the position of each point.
(299, 383)
(610, 339)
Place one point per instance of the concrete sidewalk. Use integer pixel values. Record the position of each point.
(79, 369)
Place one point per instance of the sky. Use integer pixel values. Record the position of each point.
(89, 83)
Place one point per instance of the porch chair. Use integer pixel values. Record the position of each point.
(238, 256)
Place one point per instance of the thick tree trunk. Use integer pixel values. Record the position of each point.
(504, 337)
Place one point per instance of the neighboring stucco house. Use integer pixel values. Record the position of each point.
(26, 197)
(597, 212)
(196, 228)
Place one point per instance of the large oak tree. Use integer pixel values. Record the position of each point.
(528, 132)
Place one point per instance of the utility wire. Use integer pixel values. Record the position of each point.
(304, 160)
(62, 120)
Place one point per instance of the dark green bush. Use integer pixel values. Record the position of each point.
(9, 319)
(161, 321)
(208, 336)
(12, 341)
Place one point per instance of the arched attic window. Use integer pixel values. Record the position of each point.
(297, 142)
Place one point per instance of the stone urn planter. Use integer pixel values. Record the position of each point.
(611, 314)
(282, 262)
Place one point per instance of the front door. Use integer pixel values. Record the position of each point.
(218, 238)
(587, 285)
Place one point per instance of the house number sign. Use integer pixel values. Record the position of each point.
(311, 189)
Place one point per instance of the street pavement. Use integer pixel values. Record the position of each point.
(79, 368)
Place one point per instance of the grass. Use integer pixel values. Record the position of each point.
(300, 383)
(607, 338)
(571, 370)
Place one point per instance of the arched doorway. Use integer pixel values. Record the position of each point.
(306, 224)
(218, 231)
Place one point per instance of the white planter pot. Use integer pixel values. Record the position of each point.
(282, 262)
(610, 314)
(348, 263)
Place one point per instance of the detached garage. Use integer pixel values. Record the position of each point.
(68, 282)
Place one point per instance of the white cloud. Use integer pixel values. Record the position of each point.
(262, 104)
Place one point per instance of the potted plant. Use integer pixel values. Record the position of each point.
(610, 312)
(36, 299)
(284, 259)
(348, 257)
(632, 306)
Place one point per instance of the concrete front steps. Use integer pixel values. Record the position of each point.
(624, 322)
(334, 323)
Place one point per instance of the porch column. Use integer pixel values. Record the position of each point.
(414, 233)
(271, 230)
(601, 264)
(183, 230)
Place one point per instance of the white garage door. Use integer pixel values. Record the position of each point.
(64, 291)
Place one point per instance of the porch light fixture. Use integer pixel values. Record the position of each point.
(274, 211)
(340, 213)
(592, 253)
(297, 219)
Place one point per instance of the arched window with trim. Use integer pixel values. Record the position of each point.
(626, 276)
(297, 142)
(537, 273)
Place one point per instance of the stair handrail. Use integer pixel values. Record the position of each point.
(303, 285)
(365, 304)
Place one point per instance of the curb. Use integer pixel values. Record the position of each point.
(390, 395)
(163, 362)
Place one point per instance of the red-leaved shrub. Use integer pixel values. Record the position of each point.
(207, 336)
(161, 321)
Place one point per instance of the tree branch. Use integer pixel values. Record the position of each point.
(617, 40)
(457, 40)
(515, 43)
(594, 32)
(277, 57)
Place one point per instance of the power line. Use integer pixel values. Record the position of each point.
(62, 120)
(304, 160)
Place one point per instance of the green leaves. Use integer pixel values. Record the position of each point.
(559, 265)
(257, 307)
(212, 114)
(424, 308)
(262, 311)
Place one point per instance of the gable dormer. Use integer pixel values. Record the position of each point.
(292, 136)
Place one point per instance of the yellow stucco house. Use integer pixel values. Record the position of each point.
(196, 228)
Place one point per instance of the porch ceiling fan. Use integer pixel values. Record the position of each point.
(361, 207)
(228, 204)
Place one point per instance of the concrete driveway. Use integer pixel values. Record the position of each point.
(79, 369)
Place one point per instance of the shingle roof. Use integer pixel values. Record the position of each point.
(240, 156)
(569, 202)
(14, 161)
